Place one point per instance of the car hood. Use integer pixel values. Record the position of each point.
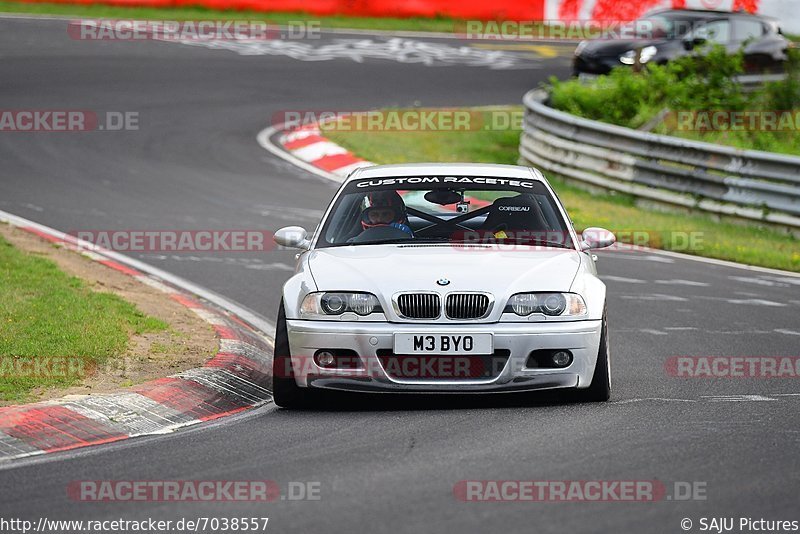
(388, 269)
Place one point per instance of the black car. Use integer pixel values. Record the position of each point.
(664, 35)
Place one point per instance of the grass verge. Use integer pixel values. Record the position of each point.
(617, 212)
(54, 330)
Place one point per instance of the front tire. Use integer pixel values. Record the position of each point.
(285, 391)
(600, 388)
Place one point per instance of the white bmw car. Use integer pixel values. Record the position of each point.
(442, 278)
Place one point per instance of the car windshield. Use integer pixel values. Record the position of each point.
(445, 209)
(662, 26)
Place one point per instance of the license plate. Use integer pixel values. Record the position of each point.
(443, 344)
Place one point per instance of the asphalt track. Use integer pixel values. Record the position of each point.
(383, 466)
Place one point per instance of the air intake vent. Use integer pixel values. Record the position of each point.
(419, 305)
(467, 305)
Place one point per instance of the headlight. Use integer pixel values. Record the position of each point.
(629, 57)
(324, 305)
(551, 304)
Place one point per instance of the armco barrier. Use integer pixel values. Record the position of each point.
(747, 184)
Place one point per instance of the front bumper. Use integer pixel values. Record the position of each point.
(582, 338)
(594, 65)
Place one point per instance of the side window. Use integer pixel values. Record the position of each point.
(716, 32)
(744, 29)
(346, 219)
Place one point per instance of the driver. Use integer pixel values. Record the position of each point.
(386, 208)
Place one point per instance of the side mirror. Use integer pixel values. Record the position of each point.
(292, 237)
(597, 238)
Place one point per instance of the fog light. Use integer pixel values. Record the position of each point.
(325, 358)
(561, 358)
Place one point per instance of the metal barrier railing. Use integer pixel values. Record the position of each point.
(748, 184)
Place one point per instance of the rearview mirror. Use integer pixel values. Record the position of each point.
(292, 237)
(443, 197)
(597, 238)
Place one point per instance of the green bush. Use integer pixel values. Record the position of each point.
(698, 82)
(785, 95)
(619, 98)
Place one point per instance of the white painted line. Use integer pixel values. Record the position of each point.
(787, 332)
(208, 316)
(711, 398)
(156, 284)
(757, 281)
(722, 263)
(294, 135)
(238, 348)
(264, 139)
(319, 150)
(34, 17)
(91, 255)
(10, 445)
(653, 331)
(225, 382)
(757, 302)
(623, 279)
(347, 169)
(131, 412)
(660, 399)
(275, 266)
(654, 297)
(737, 398)
(792, 281)
(682, 283)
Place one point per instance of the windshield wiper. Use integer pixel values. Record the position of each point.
(392, 241)
(530, 241)
(513, 241)
(410, 240)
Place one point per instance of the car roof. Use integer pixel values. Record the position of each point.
(450, 169)
(707, 13)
